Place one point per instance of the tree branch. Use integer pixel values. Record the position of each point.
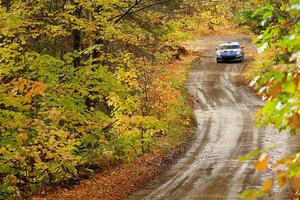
(148, 6)
(130, 10)
(121, 16)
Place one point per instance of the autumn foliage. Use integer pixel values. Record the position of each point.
(87, 84)
(275, 75)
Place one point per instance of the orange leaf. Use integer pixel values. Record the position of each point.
(262, 163)
(277, 163)
(295, 121)
(275, 90)
(281, 178)
(295, 182)
(284, 161)
(267, 185)
(38, 88)
(287, 24)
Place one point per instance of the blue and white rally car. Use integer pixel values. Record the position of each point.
(230, 51)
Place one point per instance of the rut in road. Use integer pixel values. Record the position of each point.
(226, 131)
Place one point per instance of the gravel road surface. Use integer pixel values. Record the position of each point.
(226, 130)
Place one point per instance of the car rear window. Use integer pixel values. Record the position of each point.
(229, 47)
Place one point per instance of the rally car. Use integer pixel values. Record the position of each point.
(230, 51)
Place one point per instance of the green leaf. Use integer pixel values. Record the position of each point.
(250, 155)
(289, 87)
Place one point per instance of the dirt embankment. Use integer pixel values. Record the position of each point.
(120, 181)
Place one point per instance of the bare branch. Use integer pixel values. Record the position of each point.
(148, 6)
(131, 10)
(121, 16)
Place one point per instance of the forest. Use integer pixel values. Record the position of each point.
(85, 84)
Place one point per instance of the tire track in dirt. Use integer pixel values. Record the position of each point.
(210, 169)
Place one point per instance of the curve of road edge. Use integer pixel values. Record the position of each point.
(211, 170)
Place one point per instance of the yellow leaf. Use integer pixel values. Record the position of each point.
(267, 185)
(20, 158)
(262, 163)
(250, 196)
(21, 138)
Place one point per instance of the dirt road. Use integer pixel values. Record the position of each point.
(226, 131)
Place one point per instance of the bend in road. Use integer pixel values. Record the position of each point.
(226, 131)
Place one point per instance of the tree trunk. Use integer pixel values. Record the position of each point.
(77, 39)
